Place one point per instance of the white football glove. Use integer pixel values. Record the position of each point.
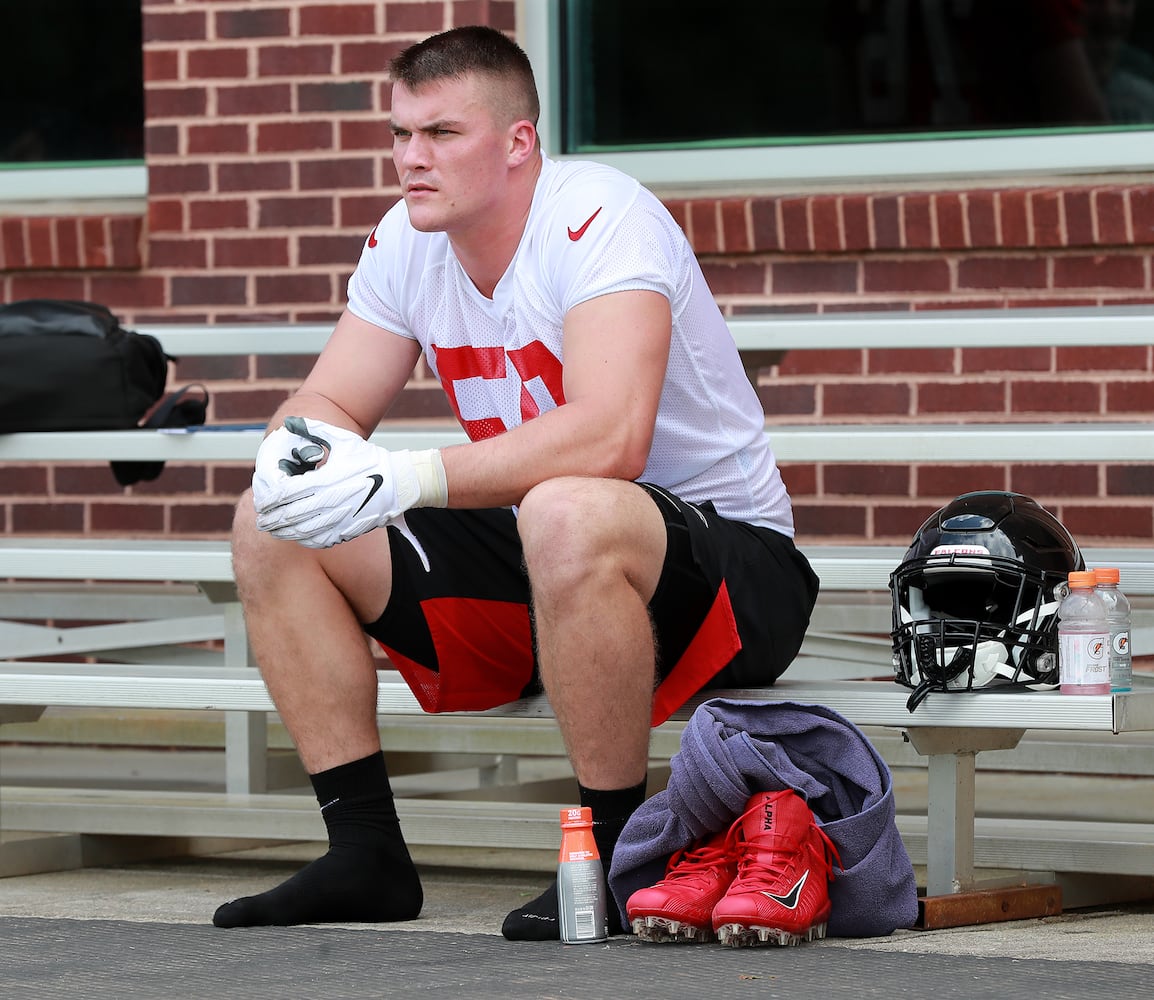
(319, 485)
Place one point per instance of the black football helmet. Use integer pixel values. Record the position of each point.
(975, 600)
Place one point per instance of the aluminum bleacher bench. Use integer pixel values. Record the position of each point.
(157, 602)
(1013, 442)
(948, 729)
(760, 339)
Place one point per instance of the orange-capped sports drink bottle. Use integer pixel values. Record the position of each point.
(581, 888)
(1083, 638)
(1118, 615)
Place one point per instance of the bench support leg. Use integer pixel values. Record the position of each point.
(950, 816)
(245, 733)
(950, 829)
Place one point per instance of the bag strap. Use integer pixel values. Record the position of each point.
(178, 409)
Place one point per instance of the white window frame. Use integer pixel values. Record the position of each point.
(901, 161)
(29, 186)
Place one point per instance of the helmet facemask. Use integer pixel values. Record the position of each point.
(965, 621)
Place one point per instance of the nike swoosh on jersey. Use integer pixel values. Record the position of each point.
(378, 481)
(373, 238)
(791, 898)
(576, 234)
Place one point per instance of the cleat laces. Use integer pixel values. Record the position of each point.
(776, 858)
(695, 867)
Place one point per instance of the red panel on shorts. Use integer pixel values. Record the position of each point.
(484, 655)
(714, 645)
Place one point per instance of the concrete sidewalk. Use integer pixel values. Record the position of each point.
(144, 930)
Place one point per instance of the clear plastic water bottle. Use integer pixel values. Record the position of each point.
(581, 889)
(1118, 615)
(1083, 638)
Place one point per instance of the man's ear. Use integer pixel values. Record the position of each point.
(522, 142)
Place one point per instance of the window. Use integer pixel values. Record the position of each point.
(811, 89)
(72, 99)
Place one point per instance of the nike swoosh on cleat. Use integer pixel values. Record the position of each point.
(791, 898)
(378, 482)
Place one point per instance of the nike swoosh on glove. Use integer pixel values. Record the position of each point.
(320, 485)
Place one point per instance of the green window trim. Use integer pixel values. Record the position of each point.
(786, 162)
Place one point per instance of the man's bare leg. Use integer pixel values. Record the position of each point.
(594, 550)
(303, 611)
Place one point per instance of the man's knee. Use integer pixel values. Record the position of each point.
(256, 555)
(244, 531)
(359, 570)
(573, 528)
(251, 554)
(551, 510)
(563, 518)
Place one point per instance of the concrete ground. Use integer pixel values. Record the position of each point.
(114, 930)
(144, 930)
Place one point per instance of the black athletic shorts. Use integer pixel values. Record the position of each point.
(730, 610)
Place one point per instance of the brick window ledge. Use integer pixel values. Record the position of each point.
(70, 242)
(1007, 219)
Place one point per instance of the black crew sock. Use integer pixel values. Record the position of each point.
(537, 920)
(367, 875)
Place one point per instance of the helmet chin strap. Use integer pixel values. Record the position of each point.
(930, 661)
(925, 686)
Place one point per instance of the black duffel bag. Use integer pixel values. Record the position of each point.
(71, 366)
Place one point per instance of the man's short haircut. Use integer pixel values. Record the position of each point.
(471, 49)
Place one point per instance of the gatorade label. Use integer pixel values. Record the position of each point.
(1122, 644)
(1084, 658)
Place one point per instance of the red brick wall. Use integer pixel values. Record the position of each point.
(268, 162)
(1088, 243)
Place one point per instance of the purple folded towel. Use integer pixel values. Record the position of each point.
(731, 750)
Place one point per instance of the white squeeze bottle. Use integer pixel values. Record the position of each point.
(1083, 638)
(1118, 615)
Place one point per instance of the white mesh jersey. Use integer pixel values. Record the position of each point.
(592, 230)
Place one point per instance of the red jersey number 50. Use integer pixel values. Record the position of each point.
(532, 362)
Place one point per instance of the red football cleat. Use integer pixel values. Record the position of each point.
(784, 865)
(680, 906)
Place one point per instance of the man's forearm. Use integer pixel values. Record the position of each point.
(499, 471)
(304, 403)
